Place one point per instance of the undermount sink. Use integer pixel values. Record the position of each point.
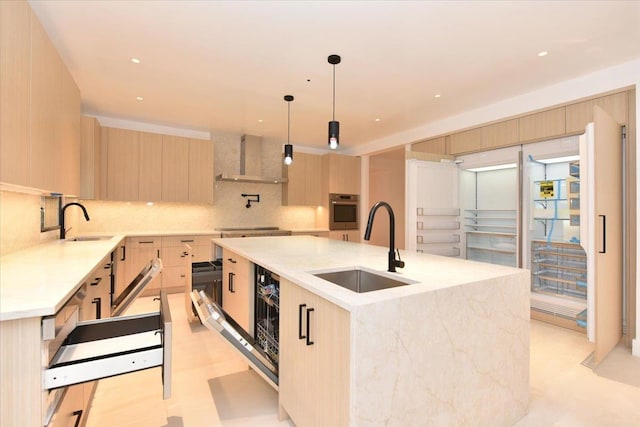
(88, 238)
(360, 280)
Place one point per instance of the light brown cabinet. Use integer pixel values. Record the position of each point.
(141, 250)
(581, 113)
(175, 169)
(544, 125)
(90, 158)
(238, 289)
(201, 173)
(173, 253)
(15, 91)
(435, 145)
(122, 163)
(304, 186)
(345, 235)
(466, 141)
(314, 380)
(150, 167)
(502, 134)
(40, 107)
(341, 174)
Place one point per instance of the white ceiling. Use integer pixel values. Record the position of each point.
(225, 65)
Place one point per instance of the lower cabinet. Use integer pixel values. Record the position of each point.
(72, 411)
(140, 250)
(314, 379)
(238, 289)
(345, 235)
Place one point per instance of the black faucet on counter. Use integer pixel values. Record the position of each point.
(393, 262)
(63, 232)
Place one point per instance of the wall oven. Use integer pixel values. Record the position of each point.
(343, 211)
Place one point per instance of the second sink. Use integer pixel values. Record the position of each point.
(359, 280)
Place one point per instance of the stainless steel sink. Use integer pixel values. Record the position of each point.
(88, 238)
(359, 280)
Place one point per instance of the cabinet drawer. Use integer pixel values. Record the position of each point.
(173, 276)
(106, 348)
(174, 256)
(142, 242)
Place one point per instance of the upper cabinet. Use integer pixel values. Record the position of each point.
(201, 174)
(122, 163)
(15, 91)
(90, 155)
(40, 129)
(150, 167)
(543, 125)
(501, 134)
(341, 173)
(435, 145)
(578, 115)
(466, 141)
(304, 186)
(175, 169)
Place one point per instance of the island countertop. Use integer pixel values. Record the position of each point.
(296, 258)
(37, 281)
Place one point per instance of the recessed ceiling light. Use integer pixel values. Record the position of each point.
(135, 60)
(139, 98)
(437, 95)
(259, 120)
(543, 53)
(377, 120)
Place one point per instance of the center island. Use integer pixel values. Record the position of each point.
(449, 348)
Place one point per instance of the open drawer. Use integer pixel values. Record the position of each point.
(108, 347)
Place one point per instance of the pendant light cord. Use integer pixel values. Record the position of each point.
(334, 92)
(288, 120)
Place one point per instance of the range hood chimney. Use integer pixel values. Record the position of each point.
(251, 164)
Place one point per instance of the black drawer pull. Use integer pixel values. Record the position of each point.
(309, 342)
(77, 414)
(124, 253)
(186, 241)
(604, 234)
(300, 307)
(148, 242)
(231, 260)
(107, 266)
(98, 303)
(232, 287)
(98, 280)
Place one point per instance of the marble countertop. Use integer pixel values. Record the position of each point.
(37, 281)
(297, 257)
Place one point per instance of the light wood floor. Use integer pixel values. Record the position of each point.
(212, 386)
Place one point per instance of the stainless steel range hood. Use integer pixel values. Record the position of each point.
(251, 164)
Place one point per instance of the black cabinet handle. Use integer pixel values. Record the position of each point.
(98, 303)
(158, 253)
(184, 254)
(186, 241)
(124, 253)
(77, 414)
(107, 266)
(231, 260)
(148, 242)
(232, 287)
(604, 234)
(98, 280)
(300, 307)
(309, 342)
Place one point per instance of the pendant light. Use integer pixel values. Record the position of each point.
(334, 126)
(288, 148)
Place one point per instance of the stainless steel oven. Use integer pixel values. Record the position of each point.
(343, 211)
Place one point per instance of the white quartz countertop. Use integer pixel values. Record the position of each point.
(37, 281)
(296, 257)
